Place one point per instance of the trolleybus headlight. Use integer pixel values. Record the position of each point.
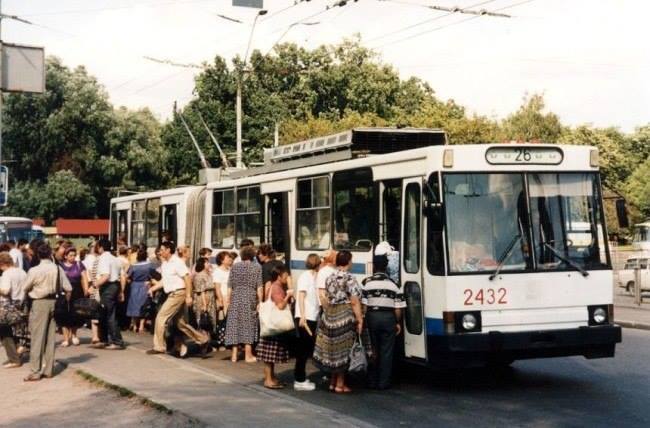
(469, 322)
(600, 316)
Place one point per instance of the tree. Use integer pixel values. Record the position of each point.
(637, 187)
(531, 123)
(63, 195)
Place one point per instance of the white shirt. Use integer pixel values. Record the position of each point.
(11, 283)
(307, 284)
(109, 265)
(173, 273)
(17, 257)
(323, 274)
(220, 277)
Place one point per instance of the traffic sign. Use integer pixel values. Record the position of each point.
(257, 4)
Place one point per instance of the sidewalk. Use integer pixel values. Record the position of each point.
(629, 314)
(190, 387)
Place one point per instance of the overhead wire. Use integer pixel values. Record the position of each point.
(426, 21)
(447, 25)
(103, 9)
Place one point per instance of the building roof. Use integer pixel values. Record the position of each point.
(67, 226)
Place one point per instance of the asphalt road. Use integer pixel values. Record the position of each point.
(550, 392)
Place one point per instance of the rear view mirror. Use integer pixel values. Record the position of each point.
(621, 213)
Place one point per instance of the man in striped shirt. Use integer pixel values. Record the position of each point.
(384, 302)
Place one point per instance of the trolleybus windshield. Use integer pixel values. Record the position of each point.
(491, 220)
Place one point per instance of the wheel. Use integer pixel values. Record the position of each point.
(629, 287)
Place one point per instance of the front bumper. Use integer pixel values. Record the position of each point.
(461, 350)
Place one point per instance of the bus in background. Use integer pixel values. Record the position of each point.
(16, 228)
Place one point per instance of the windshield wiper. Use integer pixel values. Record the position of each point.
(505, 256)
(566, 259)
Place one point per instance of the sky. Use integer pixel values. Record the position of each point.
(589, 58)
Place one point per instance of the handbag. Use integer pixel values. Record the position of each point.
(149, 309)
(61, 303)
(205, 322)
(10, 314)
(87, 308)
(273, 320)
(358, 359)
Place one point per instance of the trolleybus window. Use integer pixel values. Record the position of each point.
(567, 221)
(355, 210)
(412, 228)
(138, 222)
(119, 225)
(223, 219)
(313, 214)
(392, 213)
(153, 220)
(249, 219)
(487, 227)
(169, 222)
(435, 254)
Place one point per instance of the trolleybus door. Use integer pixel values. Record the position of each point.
(411, 268)
(276, 225)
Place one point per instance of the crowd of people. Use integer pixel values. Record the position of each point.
(197, 306)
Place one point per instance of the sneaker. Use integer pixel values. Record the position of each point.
(65, 344)
(75, 341)
(304, 386)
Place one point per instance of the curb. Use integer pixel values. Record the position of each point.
(633, 324)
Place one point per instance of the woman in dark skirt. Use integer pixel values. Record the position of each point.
(340, 322)
(139, 275)
(272, 350)
(245, 292)
(74, 270)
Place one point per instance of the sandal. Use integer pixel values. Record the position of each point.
(274, 386)
(251, 360)
(344, 390)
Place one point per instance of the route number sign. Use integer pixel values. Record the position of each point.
(517, 155)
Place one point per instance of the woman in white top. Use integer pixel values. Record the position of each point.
(307, 309)
(220, 276)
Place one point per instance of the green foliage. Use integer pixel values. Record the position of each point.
(531, 123)
(64, 195)
(638, 187)
(71, 132)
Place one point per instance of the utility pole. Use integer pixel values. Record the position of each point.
(1, 94)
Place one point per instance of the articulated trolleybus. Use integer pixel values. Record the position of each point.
(502, 247)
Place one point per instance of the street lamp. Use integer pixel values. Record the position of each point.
(239, 162)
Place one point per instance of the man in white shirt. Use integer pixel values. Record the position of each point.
(11, 289)
(177, 284)
(16, 254)
(110, 282)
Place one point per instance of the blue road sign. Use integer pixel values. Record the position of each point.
(4, 185)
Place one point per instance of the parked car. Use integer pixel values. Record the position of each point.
(626, 276)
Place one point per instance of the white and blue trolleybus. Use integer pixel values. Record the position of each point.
(502, 248)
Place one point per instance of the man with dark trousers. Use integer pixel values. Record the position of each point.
(110, 282)
(383, 301)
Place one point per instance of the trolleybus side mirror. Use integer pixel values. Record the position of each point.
(621, 213)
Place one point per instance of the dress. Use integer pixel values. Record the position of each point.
(274, 349)
(242, 325)
(139, 274)
(74, 273)
(204, 297)
(336, 326)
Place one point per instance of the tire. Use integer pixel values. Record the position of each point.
(629, 287)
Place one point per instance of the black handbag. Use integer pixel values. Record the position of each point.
(149, 309)
(87, 308)
(61, 303)
(205, 322)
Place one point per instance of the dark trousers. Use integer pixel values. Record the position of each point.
(109, 330)
(7, 339)
(304, 351)
(381, 326)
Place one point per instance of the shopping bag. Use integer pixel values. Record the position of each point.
(358, 359)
